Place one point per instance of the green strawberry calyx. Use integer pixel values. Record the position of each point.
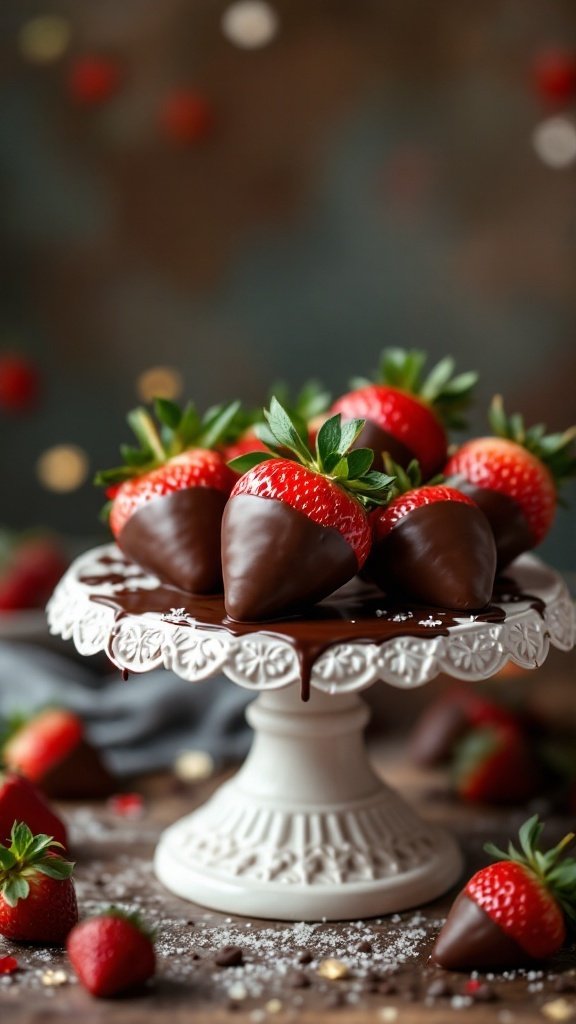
(409, 478)
(552, 868)
(132, 918)
(556, 451)
(332, 456)
(312, 400)
(24, 858)
(448, 395)
(177, 431)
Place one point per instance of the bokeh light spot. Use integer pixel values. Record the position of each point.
(555, 141)
(159, 382)
(44, 39)
(250, 24)
(62, 468)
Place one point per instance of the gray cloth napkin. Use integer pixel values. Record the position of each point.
(139, 725)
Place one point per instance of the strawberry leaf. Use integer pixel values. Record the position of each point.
(13, 889)
(243, 463)
(169, 414)
(55, 867)
(285, 432)
(359, 462)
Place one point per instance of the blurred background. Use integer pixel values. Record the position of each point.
(202, 197)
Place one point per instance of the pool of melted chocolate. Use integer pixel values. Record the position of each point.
(357, 613)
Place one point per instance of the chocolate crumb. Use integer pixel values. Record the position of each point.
(229, 956)
(364, 947)
(305, 957)
(299, 980)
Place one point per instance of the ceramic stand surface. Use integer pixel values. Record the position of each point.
(306, 830)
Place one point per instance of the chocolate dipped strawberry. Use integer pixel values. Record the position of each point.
(167, 499)
(51, 750)
(406, 414)
(496, 764)
(514, 912)
(295, 529)
(446, 720)
(432, 545)
(20, 800)
(514, 476)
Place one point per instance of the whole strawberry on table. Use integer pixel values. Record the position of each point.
(167, 499)
(406, 413)
(514, 912)
(37, 897)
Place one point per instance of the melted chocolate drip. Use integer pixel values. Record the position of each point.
(357, 613)
(511, 532)
(277, 561)
(441, 554)
(507, 591)
(177, 537)
(470, 940)
(379, 441)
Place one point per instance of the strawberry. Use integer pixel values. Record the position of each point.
(406, 415)
(448, 718)
(31, 567)
(166, 512)
(495, 764)
(51, 751)
(295, 529)
(19, 383)
(111, 953)
(21, 800)
(37, 898)
(514, 476)
(432, 544)
(513, 912)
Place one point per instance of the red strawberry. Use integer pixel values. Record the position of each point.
(51, 751)
(111, 953)
(19, 385)
(21, 801)
(37, 898)
(514, 477)
(447, 719)
(512, 912)
(495, 764)
(406, 415)
(167, 511)
(31, 567)
(295, 529)
(432, 546)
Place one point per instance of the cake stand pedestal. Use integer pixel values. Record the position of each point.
(305, 830)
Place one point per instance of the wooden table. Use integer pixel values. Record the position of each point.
(389, 976)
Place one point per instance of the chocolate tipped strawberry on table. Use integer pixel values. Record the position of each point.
(432, 544)
(512, 913)
(21, 800)
(51, 750)
(295, 529)
(406, 413)
(166, 501)
(37, 897)
(515, 477)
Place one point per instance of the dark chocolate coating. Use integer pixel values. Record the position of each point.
(380, 440)
(177, 537)
(470, 940)
(442, 554)
(80, 775)
(276, 561)
(511, 532)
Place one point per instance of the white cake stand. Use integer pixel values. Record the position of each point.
(305, 830)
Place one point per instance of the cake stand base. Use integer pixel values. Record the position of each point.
(306, 830)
